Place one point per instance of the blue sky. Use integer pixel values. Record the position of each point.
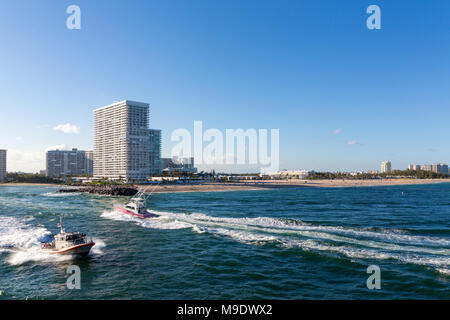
(343, 97)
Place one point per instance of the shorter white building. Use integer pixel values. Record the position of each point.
(62, 163)
(386, 167)
(414, 167)
(2, 165)
(437, 168)
(287, 174)
(179, 165)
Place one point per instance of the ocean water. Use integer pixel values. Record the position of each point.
(306, 243)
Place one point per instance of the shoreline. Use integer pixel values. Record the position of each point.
(258, 185)
(29, 184)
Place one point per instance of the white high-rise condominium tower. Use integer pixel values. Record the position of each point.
(121, 141)
(2, 165)
(386, 167)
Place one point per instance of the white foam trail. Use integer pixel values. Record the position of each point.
(23, 241)
(353, 243)
(34, 254)
(389, 244)
(97, 249)
(242, 236)
(444, 271)
(55, 194)
(364, 253)
(15, 233)
(161, 222)
(298, 227)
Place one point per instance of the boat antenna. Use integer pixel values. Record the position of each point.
(60, 226)
(148, 195)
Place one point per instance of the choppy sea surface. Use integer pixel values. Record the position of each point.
(307, 243)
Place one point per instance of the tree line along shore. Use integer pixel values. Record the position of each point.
(318, 179)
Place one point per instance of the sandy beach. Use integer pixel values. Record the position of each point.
(267, 185)
(351, 183)
(263, 185)
(21, 184)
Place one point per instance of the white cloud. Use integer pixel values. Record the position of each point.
(32, 161)
(337, 131)
(352, 143)
(67, 128)
(25, 161)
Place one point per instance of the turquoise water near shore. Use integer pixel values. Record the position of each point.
(307, 243)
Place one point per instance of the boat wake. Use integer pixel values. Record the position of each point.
(22, 241)
(351, 243)
(55, 194)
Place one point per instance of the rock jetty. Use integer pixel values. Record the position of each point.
(103, 190)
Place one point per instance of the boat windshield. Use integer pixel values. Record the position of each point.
(74, 237)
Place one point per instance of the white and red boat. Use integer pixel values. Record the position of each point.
(68, 243)
(137, 207)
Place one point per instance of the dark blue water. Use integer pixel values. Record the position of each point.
(282, 244)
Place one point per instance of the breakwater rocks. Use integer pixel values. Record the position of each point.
(103, 190)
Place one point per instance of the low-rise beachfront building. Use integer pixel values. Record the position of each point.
(414, 167)
(178, 165)
(437, 168)
(286, 174)
(2, 165)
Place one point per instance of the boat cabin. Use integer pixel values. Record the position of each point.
(71, 237)
(137, 207)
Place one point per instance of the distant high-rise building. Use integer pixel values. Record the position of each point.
(427, 167)
(121, 141)
(2, 165)
(61, 163)
(155, 151)
(414, 167)
(386, 167)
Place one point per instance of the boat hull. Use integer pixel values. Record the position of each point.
(134, 214)
(78, 250)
